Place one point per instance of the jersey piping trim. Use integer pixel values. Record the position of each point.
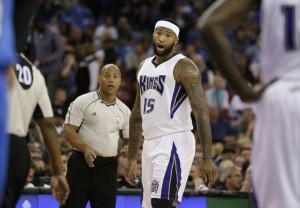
(156, 65)
(120, 108)
(93, 101)
(102, 101)
(172, 178)
(179, 95)
(71, 105)
(85, 110)
(80, 126)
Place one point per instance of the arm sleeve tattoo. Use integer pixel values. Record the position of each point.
(187, 74)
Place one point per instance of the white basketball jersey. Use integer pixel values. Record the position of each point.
(165, 107)
(280, 39)
(28, 97)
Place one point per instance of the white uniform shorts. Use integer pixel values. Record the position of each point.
(166, 163)
(276, 153)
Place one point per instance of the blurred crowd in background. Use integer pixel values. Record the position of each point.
(71, 40)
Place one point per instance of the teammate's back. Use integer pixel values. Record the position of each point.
(280, 26)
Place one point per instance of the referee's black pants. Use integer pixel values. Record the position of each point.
(18, 169)
(97, 184)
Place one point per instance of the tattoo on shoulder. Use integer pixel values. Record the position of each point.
(186, 71)
(188, 75)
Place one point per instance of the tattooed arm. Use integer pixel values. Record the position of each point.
(187, 74)
(135, 124)
(135, 135)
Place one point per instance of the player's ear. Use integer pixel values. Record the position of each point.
(176, 40)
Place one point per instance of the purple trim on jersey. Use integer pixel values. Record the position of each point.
(179, 95)
(253, 197)
(174, 162)
(142, 197)
(176, 90)
(178, 168)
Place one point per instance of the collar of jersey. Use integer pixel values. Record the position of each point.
(107, 104)
(156, 65)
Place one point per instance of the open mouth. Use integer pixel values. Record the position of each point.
(160, 46)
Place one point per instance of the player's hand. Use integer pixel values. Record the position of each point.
(124, 151)
(256, 92)
(60, 188)
(129, 172)
(253, 95)
(90, 155)
(209, 172)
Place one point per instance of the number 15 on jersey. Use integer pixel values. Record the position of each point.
(148, 105)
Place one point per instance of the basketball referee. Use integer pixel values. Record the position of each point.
(28, 97)
(93, 125)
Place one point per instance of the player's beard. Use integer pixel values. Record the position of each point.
(165, 52)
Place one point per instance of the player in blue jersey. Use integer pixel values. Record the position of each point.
(7, 51)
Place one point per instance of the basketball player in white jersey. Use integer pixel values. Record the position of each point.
(169, 88)
(28, 97)
(276, 156)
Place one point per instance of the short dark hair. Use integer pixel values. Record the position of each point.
(170, 20)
